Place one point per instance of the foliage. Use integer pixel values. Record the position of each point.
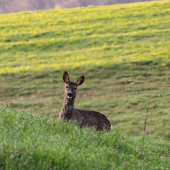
(121, 50)
(8, 6)
(30, 141)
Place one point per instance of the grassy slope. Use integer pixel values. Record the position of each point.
(37, 142)
(122, 50)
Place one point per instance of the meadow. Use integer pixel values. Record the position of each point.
(30, 141)
(122, 50)
(124, 53)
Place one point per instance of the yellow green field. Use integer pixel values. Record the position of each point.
(122, 50)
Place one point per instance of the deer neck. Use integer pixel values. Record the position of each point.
(67, 109)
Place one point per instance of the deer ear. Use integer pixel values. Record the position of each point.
(66, 77)
(80, 81)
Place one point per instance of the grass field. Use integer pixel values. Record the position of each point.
(122, 50)
(29, 141)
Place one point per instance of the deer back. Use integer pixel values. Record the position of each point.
(91, 119)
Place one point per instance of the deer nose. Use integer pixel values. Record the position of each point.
(69, 95)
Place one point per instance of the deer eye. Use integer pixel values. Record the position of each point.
(75, 88)
(67, 87)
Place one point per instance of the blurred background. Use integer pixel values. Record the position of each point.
(122, 50)
(8, 6)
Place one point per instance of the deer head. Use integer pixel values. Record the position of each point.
(71, 87)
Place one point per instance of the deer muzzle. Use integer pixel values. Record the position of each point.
(69, 95)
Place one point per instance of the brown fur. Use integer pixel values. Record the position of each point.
(83, 117)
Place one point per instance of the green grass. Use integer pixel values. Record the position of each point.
(122, 50)
(86, 37)
(30, 141)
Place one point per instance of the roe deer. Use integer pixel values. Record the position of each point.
(83, 117)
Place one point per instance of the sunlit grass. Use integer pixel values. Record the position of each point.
(123, 51)
(34, 41)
